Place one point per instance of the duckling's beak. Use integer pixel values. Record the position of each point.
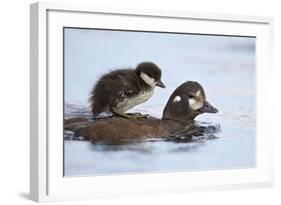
(207, 108)
(160, 84)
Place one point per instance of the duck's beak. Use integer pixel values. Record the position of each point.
(160, 84)
(207, 108)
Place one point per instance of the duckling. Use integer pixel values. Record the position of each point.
(185, 103)
(123, 89)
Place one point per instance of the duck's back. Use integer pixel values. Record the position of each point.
(126, 130)
(120, 130)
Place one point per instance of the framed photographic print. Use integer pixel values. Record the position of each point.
(130, 102)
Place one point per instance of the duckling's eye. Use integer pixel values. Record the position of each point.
(191, 95)
(151, 76)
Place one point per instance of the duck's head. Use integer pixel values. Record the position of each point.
(186, 102)
(150, 74)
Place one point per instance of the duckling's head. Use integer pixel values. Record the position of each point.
(150, 74)
(186, 102)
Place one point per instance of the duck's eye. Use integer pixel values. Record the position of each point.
(191, 95)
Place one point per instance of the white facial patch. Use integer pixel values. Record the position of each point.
(196, 103)
(150, 81)
(198, 93)
(177, 99)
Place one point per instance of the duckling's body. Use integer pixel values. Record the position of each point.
(122, 89)
(185, 103)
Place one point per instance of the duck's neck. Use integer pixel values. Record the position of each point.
(178, 124)
(181, 121)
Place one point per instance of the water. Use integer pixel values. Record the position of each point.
(224, 66)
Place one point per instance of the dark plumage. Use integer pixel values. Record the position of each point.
(122, 89)
(121, 130)
(189, 91)
(178, 116)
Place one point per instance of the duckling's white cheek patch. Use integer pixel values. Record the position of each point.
(198, 93)
(177, 99)
(194, 104)
(150, 81)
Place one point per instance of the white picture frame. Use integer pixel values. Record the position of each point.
(46, 160)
